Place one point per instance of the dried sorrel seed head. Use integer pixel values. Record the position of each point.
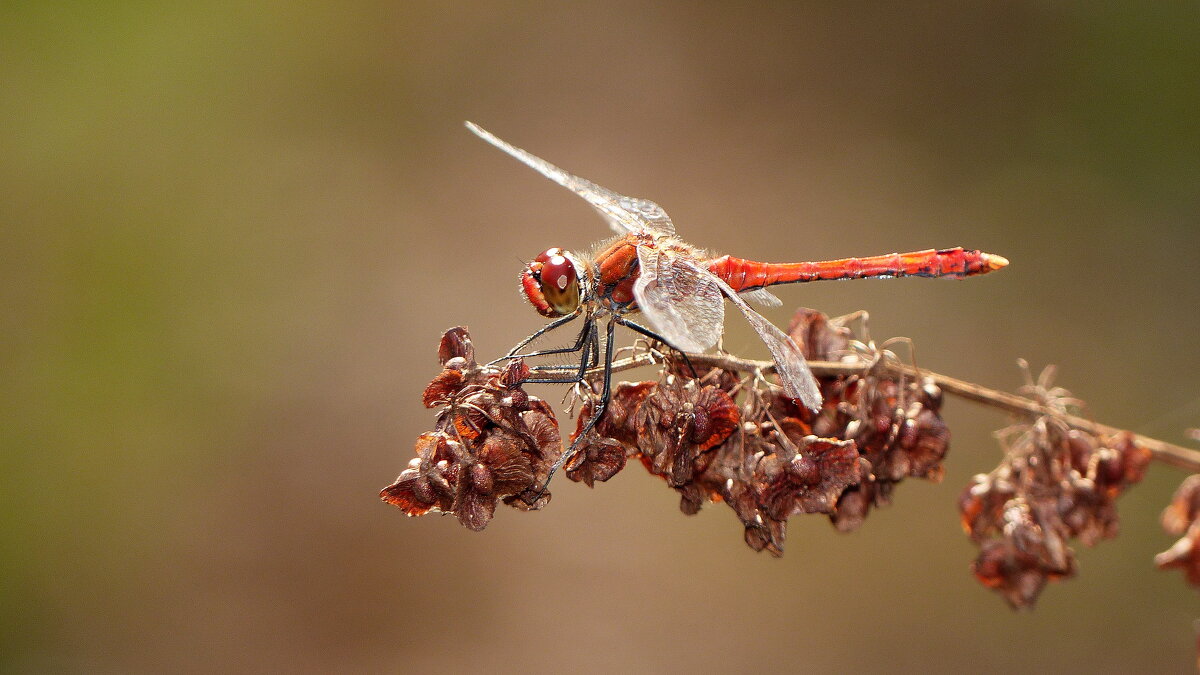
(596, 462)
(857, 500)
(1183, 554)
(895, 423)
(456, 343)
(491, 441)
(1055, 483)
(1019, 577)
(1184, 508)
(817, 338)
(981, 505)
(428, 482)
(677, 422)
(1182, 517)
(811, 481)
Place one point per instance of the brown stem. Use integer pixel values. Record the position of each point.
(1177, 456)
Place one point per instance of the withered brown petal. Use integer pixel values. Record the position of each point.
(767, 535)
(599, 460)
(544, 430)
(817, 339)
(852, 508)
(691, 498)
(1183, 554)
(928, 445)
(1184, 507)
(442, 388)
(434, 446)
(716, 416)
(1016, 576)
(1135, 459)
(410, 493)
(817, 476)
(456, 342)
(508, 469)
(475, 509)
(856, 501)
(514, 373)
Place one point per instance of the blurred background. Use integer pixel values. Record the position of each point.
(233, 233)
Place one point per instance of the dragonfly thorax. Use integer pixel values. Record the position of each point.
(551, 282)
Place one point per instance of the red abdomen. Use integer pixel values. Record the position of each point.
(951, 263)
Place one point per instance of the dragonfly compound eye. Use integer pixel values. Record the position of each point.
(551, 283)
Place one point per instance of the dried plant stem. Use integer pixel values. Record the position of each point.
(1174, 455)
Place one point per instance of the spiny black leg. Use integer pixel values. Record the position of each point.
(589, 346)
(512, 353)
(591, 358)
(595, 352)
(637, 328)
(597, 413)
(558, 350)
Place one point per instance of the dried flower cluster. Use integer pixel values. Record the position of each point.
(719, 435)
(696, 438)
(1054, 484)
(715, 430)
(1182, 517)
(895, 423)
(713, 434)
(491, 441)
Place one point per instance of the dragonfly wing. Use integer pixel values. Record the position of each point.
(645, 213)
(624, 214)
(794, 373)
(762, 297)
(682, 303)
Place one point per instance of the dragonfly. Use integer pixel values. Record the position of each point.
(679, 289)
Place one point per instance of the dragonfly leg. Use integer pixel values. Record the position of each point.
(512, 353)
(588, 341)
(597, 412)
(638, 328)
(590, 356)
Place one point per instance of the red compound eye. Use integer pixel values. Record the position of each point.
(545, 256)
(557, 289)
(558, 274)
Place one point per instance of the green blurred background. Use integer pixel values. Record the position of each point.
(232, 235)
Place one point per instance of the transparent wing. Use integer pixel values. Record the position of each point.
(762, 297)
(798, 381)
(681, 302)
(684, 303)
(624, 214)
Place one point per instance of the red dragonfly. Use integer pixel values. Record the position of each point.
(681, 289)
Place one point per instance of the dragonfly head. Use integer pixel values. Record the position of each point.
(551, 282)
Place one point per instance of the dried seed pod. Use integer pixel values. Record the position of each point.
(817, 338)
(426, 484)
(1184, 508)
(981, 505)
(599, 460)
(1184, 554)
(1182, 516)
(1018, 576)
(491, 441)
(1055, 483)
(811, 481)
(679, 421)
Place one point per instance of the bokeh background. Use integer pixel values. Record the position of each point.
(232, 234)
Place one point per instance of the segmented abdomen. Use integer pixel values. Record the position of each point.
(952, 263)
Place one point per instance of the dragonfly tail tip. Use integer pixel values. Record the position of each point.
(995, 262)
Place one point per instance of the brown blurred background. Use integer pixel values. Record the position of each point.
(232, 235)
